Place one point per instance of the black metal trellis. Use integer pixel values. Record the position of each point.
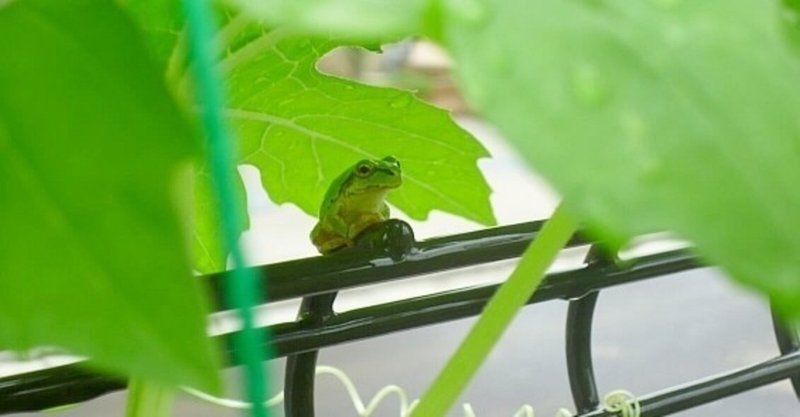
(389, 253)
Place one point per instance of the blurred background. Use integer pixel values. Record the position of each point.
(647, 336)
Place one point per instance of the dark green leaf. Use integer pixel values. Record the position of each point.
(93, 258)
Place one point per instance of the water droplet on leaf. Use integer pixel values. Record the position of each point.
(589, 86)
(500, 60)
(633, 126)
(675, 35)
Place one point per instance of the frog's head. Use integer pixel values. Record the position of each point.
(374, 175)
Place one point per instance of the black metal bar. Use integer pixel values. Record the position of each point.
(325, 274)
(714, 388)
(301, 368)
(68, 384)
(579, 352)
(291, 338)
(788, 338)
(294, 337)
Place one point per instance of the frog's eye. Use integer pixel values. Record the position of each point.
(392, 160)
(364, 169)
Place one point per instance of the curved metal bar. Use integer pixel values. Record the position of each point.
(680, 398)
(291, 338)
(300, 369)
(579, 352)
(788, 338)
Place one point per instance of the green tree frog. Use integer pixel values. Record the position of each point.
(354, 201)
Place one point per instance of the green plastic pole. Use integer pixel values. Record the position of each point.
(241, 284)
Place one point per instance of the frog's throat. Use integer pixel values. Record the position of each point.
(378, 189)
(370, 202)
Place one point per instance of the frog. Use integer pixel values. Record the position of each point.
(355, 200)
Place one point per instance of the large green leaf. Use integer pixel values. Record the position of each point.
(302, 128)
(93, 258)
(675, 115)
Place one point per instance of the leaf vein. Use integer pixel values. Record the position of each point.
(290, 123)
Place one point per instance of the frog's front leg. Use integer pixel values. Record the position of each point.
(340, 228)
(330, 234)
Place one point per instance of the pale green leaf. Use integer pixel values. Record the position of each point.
(675, 115)
(302, 128)
(93, 258)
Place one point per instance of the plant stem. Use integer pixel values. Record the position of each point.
(497, 315)
(149, 399)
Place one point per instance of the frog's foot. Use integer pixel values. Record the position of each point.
(334, 244)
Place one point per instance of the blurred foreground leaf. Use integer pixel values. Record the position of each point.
(92, 257)
(655, 115)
